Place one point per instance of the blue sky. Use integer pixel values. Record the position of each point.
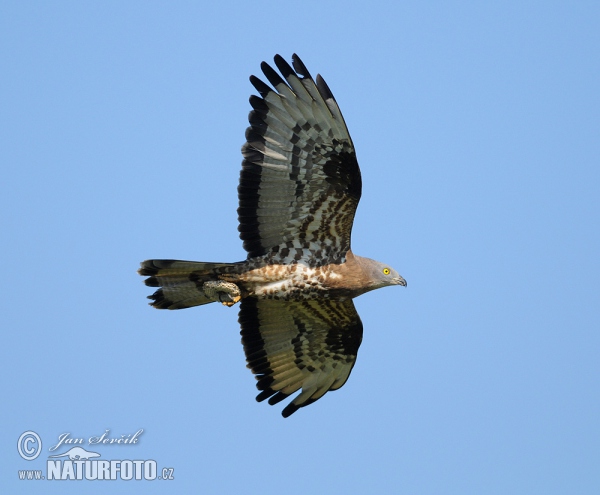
(476, 128)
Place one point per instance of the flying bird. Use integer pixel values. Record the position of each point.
(298, 191)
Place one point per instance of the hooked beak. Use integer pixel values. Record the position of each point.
(400, 281)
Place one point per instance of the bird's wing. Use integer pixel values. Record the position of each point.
(300, 182)
(291, 345)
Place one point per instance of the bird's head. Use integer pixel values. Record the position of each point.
(381, 275)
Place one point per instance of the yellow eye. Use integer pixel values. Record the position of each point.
(386, 271)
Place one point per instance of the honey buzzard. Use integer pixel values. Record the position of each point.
(298, 191)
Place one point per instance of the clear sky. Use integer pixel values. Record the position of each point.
(477, 129)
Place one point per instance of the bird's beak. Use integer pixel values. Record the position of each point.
(400, 281)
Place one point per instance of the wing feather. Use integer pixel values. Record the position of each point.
(300, 182)
(307, 346)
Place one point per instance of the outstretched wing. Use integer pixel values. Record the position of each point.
(300, 182)
(292, 345)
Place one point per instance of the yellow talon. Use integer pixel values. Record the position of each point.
(231, 303)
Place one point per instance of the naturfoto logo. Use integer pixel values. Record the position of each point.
(78, 463)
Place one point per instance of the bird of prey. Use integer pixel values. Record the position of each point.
(298, 191)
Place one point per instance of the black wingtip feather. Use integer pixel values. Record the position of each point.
(277, 398)
(260, 86)
(257, 120)
(299, 67)
(324, 89)
(284, 67)
(265, 394)
(274, 78)
(259, 104)
(290, 409)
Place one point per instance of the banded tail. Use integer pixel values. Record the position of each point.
(180, 282)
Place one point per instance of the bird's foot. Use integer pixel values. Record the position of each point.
(232, 302)
(225, 292)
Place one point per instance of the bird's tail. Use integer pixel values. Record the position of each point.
(181, 282)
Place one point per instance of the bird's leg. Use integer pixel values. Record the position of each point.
(225, 292)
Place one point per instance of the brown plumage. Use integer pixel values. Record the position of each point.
(299, 188)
